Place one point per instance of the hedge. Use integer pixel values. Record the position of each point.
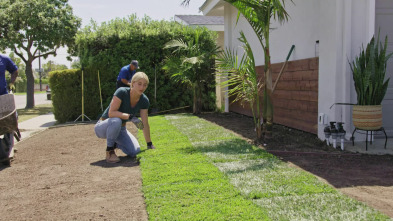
(66, 92)
(110, 46)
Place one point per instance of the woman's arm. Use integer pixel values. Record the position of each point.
(114, 109)
(146, 127)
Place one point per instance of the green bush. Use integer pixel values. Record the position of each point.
(43, 81)
(21, 85)
(112, 45)
(66, 90)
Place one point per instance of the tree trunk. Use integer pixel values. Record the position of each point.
(267, 99)
(30, 86)
(194, 107)
(259, 131)
(199, 99)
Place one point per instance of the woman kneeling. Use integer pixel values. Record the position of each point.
(126, 102)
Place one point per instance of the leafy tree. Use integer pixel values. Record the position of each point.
(259, 14)
(76, 64)
(52, 66)
(36, 28)
(185, 2)
(242, 80)
(186, 63)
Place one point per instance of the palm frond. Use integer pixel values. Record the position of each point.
(240, 73)
(175, 43)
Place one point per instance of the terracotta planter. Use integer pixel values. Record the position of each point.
(367, 117)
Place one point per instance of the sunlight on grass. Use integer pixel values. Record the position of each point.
(269, 178)
(26, 114)
(287, 193)
(323, 206)
(198, 131)
(179, 183)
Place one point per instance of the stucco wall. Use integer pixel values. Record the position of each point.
(301, 30)
(344, 27)
(341, 27)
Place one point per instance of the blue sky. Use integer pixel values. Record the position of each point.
(106, 10)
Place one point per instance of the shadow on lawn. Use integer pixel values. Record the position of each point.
(306, 151)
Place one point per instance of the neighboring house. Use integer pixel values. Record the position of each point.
(326, 34)
(214, 23)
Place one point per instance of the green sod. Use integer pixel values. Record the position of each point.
(201, 171)
(179, 183)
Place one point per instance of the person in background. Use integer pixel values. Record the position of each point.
(6, 64)
(126, 73)
(125, 104)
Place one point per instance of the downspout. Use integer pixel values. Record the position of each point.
(371, 19)
(346, 70)
(228, 23)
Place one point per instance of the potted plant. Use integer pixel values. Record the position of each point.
(368, 70)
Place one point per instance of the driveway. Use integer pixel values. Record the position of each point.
(20, 100)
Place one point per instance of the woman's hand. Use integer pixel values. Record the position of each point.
(150, 145)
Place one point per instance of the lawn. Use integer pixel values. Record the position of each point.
(201, 171)
(35, 92)
(26, 114)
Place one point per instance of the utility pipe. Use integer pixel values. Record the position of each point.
(282, 69)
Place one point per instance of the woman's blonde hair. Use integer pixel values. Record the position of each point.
(139, 75)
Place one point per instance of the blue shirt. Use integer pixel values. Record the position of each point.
(5, 64)
(125, 73)
(123, 93)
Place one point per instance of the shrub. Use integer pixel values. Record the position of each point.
(67, 94)
(112, 45)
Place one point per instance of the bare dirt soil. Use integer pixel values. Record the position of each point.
(367, 178)
(61, 173)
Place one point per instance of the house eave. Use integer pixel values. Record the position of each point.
(212, 8)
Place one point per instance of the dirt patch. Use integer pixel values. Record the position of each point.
(367, 178)
(61, 174)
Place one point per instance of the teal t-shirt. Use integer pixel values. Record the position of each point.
(123, 93)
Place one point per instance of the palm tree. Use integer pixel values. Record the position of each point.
(242, 80)
(259, 14)
(186, 64)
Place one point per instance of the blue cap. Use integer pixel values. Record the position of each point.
(135, 63)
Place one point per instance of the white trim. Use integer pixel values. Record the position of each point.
(346, 70)
(227, 42)
(371, 19)
(208, 6)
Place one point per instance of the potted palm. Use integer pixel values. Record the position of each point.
(368, 71)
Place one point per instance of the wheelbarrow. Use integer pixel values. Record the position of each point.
(8, 128)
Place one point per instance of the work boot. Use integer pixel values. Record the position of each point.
(111, 157)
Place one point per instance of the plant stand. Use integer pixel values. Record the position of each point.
(367, 133)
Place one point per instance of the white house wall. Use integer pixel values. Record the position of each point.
(301, 30)
(341, 28)
(344, 27)
(383, 21)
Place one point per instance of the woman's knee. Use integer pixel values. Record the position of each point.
(115, 122)
(100, 130)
